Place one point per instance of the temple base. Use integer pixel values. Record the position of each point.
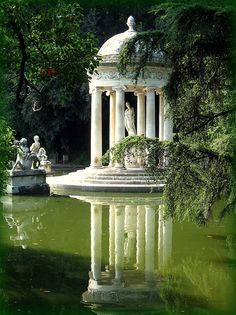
(105, 180)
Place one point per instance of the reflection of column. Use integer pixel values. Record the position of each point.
(167, 240)
(96, 128)
(161, 116)
(140, 114)
(140, 255)
(149, 243)
(119, 242)
(164, 238)
(150, 113)
(130, 229)
(160, 236)
(111, 237)
(168, 125)
(112, 121)
(96, 240)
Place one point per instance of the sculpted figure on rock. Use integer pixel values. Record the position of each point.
(24, 159)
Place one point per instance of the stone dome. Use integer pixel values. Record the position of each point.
(111, 49)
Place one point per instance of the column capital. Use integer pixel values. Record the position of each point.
(150, 89)
(159, 91)
(109, 92)
(136, 93)
(119, 88)
(96, 89)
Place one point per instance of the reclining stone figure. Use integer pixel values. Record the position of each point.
(24, 159)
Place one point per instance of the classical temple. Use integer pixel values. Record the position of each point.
(107, 79)
(150, 119)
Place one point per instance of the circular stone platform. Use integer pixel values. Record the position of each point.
(105, 179)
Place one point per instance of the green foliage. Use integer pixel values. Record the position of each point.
(59, 124)
(196, 178)
(52, 55)
(47, 43)
(196, 42)
(6, 140)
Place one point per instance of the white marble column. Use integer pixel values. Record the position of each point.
(112, 139)
(96, 240)
(112, 119)
(119, 119)
(140, 248)
(96, 128)
(149, 243)
(150, 113)
(140, 113)
(168, 124)
(119, 114)
(111, 237)
(119, 242)
(161, 116)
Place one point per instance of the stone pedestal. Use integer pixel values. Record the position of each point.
(27, 182)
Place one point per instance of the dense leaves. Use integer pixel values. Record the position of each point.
(196, 41)
(6, 140)
(52, 55)
(47, 43)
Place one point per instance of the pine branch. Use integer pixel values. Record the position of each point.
(209, 119)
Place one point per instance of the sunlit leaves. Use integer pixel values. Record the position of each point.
(52, 39)
(197, 42)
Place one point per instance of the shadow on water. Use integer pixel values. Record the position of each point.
(40, 280)
(93, 255)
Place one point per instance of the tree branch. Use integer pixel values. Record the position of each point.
(22, 82)
(210, 118)
(33, 87)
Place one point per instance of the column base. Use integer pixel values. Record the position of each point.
(111, 164)
(119, 166)
(95, 166)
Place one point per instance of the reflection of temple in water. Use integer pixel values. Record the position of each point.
(140, 243)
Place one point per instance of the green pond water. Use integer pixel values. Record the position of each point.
(112, 254)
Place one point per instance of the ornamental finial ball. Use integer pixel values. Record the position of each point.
(131, 23)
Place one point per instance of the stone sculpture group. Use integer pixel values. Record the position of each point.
(30, 158)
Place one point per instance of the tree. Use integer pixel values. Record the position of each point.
(197, 43)
(52, 55)
(47, 44)
(6, 140)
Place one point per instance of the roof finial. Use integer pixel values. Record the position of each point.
(131, 23)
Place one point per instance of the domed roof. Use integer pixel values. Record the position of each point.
(112, 47)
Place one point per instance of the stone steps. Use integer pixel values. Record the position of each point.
(107, 180)
(128, 181)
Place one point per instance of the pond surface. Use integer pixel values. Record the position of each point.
(112, 254)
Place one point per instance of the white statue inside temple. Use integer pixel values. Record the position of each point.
(129, 120)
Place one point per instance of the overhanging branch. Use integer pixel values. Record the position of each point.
(209, 118)
(22, 88)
